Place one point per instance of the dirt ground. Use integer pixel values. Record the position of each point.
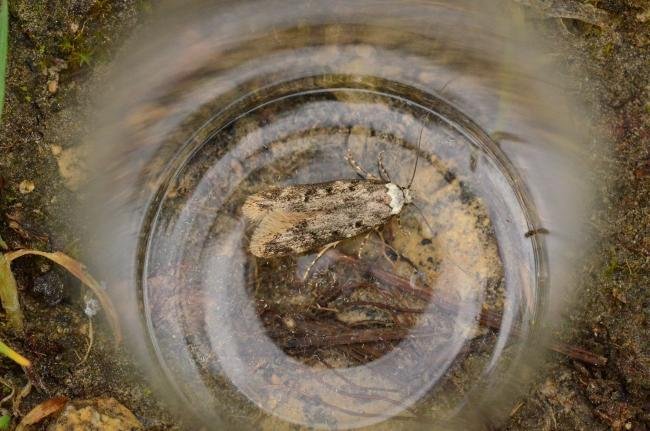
(59, 49)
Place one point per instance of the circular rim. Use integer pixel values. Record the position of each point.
(435, 105)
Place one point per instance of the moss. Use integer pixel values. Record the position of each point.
(608, 49)
(612, 265)
(81, 58)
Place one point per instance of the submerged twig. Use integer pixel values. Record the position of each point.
(360, 336)
(362, 414)
(487, 318)
(367, 395)
(578, 353)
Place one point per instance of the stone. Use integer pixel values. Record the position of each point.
(26, 186)
(49, 286)
(97, 414)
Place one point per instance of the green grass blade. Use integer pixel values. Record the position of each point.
(5, 422)
(14, 356)
(9, 295)
(4, 32)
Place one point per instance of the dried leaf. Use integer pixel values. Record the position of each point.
(78, 270)
(20, 397)
(41, 411)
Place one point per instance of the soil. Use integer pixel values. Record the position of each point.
(59, 50)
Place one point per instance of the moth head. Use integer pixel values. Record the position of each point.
(399, 196)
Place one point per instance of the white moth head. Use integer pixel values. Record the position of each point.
(398, 197)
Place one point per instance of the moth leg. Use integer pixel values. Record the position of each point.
(399, 223)
(424, 218)
(358, 169)
(318, 256)
(364, 241)
(385, 246)
(383, 173)
(396, 253)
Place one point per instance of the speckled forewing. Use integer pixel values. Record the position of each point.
(301, 218)
(311, 197)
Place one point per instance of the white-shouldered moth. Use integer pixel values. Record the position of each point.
(302, 218)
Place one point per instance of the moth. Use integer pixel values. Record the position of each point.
(298, 219)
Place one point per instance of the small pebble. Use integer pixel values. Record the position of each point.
(53, 86)
(289, 323)
(26, 186)
(97, 414)
(92, 307)
(643, 16)
(49, 286)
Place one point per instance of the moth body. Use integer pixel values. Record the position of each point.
(297, 219)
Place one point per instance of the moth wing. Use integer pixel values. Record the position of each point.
(274, 225)
(284, 233)
(311, 197)
(302, 218)
(257, 206)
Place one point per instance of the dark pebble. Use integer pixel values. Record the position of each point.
(49, 287)
(449, 176)
(391, 255)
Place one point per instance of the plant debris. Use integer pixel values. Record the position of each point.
(41, 411)
(26, 186)
(99, 414)
(9, 290)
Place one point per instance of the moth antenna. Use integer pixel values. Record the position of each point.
(423, 216)
(355, 165)
(383, 173)
(417, 156)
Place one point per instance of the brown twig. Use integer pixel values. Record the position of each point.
(41, 411)
(359, 336)
(487, 318)
(363, 395)
(381, 305)
(341, 376)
